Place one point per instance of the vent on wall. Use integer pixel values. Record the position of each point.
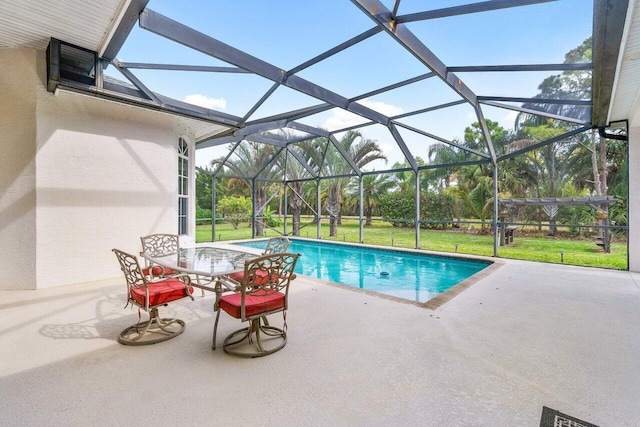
(66, 62)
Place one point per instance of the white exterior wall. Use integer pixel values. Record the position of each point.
(18, 82)
(89, 175)
(634, 195)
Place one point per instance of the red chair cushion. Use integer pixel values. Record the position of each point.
(261, 276)
(158, 271)
(161, 292)
(254, 304)
(237, 276)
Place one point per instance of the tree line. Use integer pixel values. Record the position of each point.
(584, 164)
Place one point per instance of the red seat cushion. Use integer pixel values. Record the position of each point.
(261, 276)
(158, 271)
(161, 292)
(237, 276)
(254, 304)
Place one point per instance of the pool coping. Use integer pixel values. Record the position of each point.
(432, 304)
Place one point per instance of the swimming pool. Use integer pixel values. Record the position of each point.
(416, 277)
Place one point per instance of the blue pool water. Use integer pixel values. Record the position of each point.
(411, 276)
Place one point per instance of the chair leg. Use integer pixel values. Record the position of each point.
(152, 331)
(242, 342)
(215, 329)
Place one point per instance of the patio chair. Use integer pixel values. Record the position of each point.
(264, 290)
(164, 244)
(158, 245)
(275, 245)
(149, 295)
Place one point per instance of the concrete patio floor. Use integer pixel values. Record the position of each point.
(527, 336)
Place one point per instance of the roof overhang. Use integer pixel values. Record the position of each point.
(608, 27)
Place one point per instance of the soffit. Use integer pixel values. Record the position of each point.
(88, 24)
(31, 23)
(625, 100)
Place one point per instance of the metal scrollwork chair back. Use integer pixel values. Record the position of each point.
(158, 245)
(264, 290)
(148, 295)
(276, 245)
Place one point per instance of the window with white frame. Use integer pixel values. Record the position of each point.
(183, 185)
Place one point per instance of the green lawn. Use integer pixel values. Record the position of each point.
(582, 252)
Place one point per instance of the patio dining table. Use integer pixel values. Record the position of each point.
(207, 263)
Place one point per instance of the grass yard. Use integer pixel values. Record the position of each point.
(577, 251)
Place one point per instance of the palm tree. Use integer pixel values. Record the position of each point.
(549, 163)
(362, 151)
(405, 180)
(478, 186)
(442, 154)
(373, 188)
(476, 181)
(296, 173)
(248, 160)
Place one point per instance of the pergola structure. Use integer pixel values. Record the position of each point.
(383, 31)
(550, 206)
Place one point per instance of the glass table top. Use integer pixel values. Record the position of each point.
(207, 261)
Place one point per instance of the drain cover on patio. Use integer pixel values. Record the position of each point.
(553, 418)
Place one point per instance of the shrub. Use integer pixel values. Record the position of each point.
(270, 219)
(203, 216)
(437, 207)
(234, 209)
(399, 208)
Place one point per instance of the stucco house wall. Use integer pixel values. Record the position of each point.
(79, 176)
(18, 81)
(634, 194)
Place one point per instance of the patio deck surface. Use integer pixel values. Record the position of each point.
(527, 336)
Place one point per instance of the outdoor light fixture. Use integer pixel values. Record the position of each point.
(456, 247)
(562, 256)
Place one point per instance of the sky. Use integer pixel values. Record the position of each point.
(286, 33)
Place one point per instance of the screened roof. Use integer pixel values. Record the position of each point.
(408, 74)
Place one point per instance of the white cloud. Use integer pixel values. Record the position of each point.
(206, 102)
(387, 148)
(342, 119)
(509, 119)
(381, 107)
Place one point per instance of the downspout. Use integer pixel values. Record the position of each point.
(417, 217)
(318, 210)
(495, 209)
(213, 208)
(285, 188)
(361, 192)
(253, 208)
